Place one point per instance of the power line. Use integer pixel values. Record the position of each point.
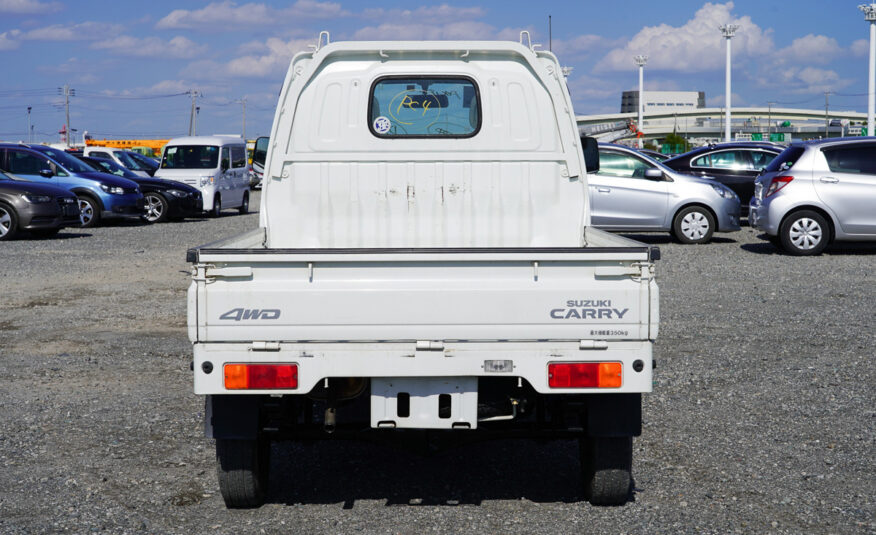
(94, 94)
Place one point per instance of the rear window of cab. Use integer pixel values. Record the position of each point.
(424, 107)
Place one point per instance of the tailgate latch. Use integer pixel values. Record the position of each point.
(265, 346)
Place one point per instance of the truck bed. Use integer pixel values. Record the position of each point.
(370, 311)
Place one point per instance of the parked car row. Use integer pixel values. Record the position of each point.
(196, 174)
(802, 197)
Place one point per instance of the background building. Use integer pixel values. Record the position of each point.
(663, 101)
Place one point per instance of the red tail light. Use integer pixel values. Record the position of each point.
(585, 375)
(777, 183)
(260, 376)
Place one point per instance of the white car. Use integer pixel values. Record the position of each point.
(216, 165)
(120, 156)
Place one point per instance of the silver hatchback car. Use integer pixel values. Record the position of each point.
(817, 192)
(632, 192)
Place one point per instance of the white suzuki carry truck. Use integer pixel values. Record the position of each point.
(424, 269)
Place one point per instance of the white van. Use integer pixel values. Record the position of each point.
(216, 165)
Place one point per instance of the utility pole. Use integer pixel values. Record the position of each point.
(728, 31)
(826, 118)
(641, 60)
(550, 35)
(243, 101)
(192, 119)
(29, 137)
(870, 16)
(770, 118)
(67, 92)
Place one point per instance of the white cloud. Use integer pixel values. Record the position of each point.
(425, 14)
(582, 46)
(85, 31)
(125, 45)
(718, 101)
(274, 62)
(860, 48)
(807, 80)
(27, 7)
(391, 31)
(228, 14)
(8, 40)
(818, 49)
(696, 46)
(584, 88)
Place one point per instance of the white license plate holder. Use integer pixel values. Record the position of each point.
(424, 403)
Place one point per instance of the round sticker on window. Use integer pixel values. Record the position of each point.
(382, 125)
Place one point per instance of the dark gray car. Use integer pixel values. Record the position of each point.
(43, 210)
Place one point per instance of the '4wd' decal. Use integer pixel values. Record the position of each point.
(238, 314)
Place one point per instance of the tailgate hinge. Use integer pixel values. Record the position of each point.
(208, 272)
(430, 345)
(592, 344)
(265, 346)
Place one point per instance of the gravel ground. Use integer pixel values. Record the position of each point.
(761, 421)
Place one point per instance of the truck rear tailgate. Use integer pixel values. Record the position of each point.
(343, 295)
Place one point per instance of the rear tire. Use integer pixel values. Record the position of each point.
(244, 207)
(606, 466)
(8, 222)
(804, 233)
(89, 210)
(243, 471)
(693, 224)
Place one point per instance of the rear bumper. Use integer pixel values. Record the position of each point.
(761, 217)
(318, 361)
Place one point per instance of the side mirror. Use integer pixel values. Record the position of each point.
(47, 173)
(590, 147)
(653, 174)
(260, 152)
(225, 165)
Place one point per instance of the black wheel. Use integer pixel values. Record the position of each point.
(693, 224)
(8, 222)
(89, 211)
(156, 207)
(45, 232)
(244, 208)
(606, 465)
(804, 233)
(217, 206)
(243, 471)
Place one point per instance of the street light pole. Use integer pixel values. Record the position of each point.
(728, 31)
(770, 119)
(29, 140)
(870, 16)
(826, 116)
(641, 60)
